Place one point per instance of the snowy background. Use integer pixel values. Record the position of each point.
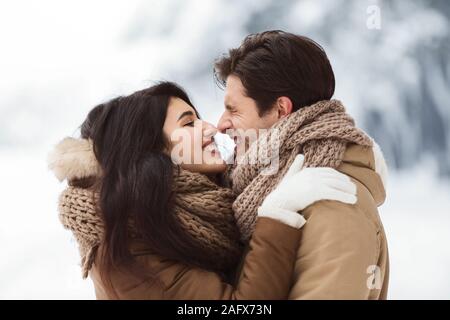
(58, 59)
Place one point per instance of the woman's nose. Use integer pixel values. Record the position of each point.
(209, 130)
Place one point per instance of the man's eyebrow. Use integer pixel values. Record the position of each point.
(184, 114)
(229, 107)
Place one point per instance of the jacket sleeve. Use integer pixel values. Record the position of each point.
(266, 274)
(339, 246)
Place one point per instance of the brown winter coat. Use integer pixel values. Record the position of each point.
(343, 250)
(266, 274)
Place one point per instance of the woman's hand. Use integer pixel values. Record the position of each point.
(300, 188)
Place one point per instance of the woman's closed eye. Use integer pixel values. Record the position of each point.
(189, 124)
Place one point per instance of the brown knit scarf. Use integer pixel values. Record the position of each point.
(203, 208)
(320, 132)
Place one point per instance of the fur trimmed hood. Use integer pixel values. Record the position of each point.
(73, 159)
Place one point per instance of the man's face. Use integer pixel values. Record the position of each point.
(241, 111)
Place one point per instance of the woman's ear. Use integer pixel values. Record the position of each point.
(284, 107)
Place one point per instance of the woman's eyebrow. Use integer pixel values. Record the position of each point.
(184, 114)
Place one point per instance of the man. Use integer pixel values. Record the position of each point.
(283, 82)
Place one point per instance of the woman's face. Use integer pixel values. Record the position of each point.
(191, 143)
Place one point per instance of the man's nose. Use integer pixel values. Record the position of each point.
(224, 123)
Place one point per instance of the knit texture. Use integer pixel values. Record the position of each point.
(203, 208)
(321, 132)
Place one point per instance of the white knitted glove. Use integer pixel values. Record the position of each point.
(300, 188)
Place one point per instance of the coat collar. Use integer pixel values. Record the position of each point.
(367, 165)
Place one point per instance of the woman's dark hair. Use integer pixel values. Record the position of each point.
(136, 182)
(275, 63)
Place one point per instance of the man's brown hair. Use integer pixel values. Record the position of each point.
(275, 63)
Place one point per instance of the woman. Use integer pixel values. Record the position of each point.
(149, 229)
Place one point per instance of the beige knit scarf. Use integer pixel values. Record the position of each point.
(320, 132)
(203, 208)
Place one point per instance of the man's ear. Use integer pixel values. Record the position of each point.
(284, 107)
